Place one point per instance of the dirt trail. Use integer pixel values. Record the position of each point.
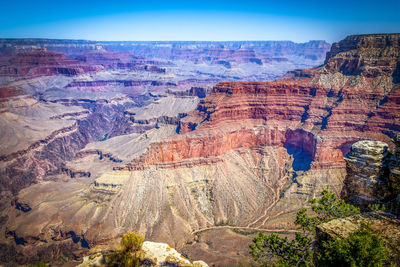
(245, 227)
(275, 200)
(249, 226)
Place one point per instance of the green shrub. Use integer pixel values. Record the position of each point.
(377, 207)
(130, 252)
(281, 252)
(361, 248)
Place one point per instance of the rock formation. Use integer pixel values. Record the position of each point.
(366, 171)
(39, 62)
(156, 254)
(371, 179)
(372, 175)
(370, 56)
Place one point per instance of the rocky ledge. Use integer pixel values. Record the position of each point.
(155, 254)
(383, 223)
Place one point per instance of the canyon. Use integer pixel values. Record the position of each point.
(194, 144)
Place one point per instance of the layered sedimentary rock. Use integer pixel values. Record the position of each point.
(371, 56)
(39, 62)
(117, 60)
(366, 171)
(373, 175)
(56, 132)
(316, 119)
(219, 61)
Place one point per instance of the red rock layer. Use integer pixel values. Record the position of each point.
(336, 119)
(207, 145)
(10, 91)
(255, 114)
(116, 60)
(42, 62)
(369, 55)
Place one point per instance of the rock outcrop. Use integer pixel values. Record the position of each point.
(385, 225)
(373, 175)
(366, 166)
(155, 254)
(368, 55)
(371, 179)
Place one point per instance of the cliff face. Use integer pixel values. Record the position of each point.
(373, 175)
(366, 170)
(54, 141)
(315, 118)
(368, 55)
(40, 62)
(372, 178)
(336, 106)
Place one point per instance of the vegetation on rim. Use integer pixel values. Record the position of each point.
(361, 248)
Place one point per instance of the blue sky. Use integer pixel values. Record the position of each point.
(298, 21)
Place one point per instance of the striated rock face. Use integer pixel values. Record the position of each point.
(366, 170)
(225, 53)
(117, 60)
(56, 134)
(369, 55)
(40, 62)
(202, 63)
(373, 175)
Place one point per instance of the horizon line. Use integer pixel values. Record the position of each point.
(166, 41)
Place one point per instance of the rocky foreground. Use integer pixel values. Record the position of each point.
(155, 254)
(247, 157)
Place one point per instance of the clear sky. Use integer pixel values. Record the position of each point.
(298, 21)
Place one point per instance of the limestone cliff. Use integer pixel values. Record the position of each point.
(366, 166)
(368, 55)
(372, 175)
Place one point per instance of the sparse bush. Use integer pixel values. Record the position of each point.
(130, 252)
(377, 207)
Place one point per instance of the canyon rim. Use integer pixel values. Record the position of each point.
(179, 133)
